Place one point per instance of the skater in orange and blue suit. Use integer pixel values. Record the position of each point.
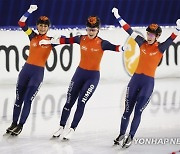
(87, 75)
(141, 84)
(31, 76)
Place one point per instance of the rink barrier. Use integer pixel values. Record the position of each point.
(64, 59)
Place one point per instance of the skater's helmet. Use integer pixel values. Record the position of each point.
(43, 20)
(93, 22)
(154, 28)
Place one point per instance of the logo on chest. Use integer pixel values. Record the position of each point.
(34, 44)
(152, 53)
(84, 48)
(94, 50)
(91, 49)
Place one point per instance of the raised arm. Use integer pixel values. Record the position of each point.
(22, 21)
(163, 46)
(177, 30)
(139, 39)
(123, 24)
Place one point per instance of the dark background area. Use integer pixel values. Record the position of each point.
(70, 13)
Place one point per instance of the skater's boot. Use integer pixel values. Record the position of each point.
(127, 141)
(17, 130)
(68, 135)
(118, 139)
(11, 128)
(58, 132)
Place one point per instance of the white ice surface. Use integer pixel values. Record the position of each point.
(99, 125)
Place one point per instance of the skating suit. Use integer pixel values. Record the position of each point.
(86, 77)
(31, 75)
(141, 84)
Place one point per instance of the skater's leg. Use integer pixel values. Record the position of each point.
(72, 94)
(85, 94)
(142, 102)
(36, 77)
(131, 98)
(89, 87)
(20, 93)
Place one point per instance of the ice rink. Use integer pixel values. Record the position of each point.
(99, 125)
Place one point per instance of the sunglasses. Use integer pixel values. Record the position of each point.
(151, 34)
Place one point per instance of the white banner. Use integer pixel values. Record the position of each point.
(64, 59)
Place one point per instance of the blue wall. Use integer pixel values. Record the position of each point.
(74, 12)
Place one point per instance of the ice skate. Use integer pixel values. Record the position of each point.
(118, 139)
(11, 128)
(17, 130)
(58, 132)
(68, 135)
(127, 142)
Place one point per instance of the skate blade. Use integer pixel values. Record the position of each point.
(6, 134)
(116, 143)
(13, 135)
(126, 146)
(65, 139)
(55, 136)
